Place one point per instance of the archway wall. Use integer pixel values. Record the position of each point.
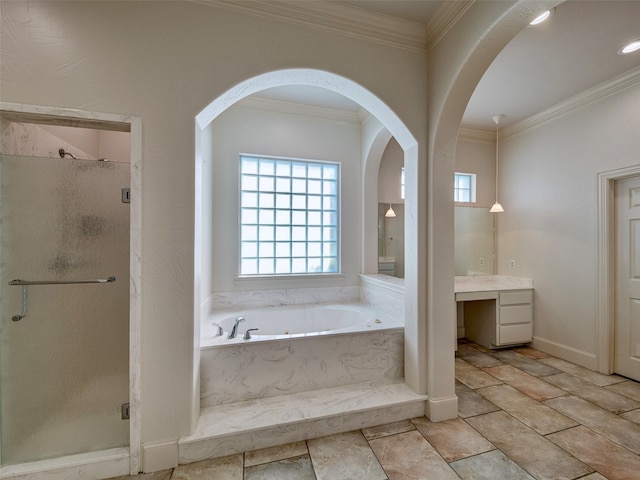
(164, 62)
(455, 65)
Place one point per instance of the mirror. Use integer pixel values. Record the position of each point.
(474, 237)
(391, 240)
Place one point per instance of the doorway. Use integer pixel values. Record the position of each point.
(607, 283)
(627, 278)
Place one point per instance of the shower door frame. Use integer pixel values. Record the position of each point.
(107, 121)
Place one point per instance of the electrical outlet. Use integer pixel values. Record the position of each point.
(482, 262)
(512, 263)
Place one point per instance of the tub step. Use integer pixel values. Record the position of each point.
(254, 424)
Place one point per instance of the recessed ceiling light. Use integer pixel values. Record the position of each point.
(630, 48)
(543, 17)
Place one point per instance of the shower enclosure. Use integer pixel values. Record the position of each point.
(64, 305)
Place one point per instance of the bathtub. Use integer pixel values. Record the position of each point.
(297, 349)
(277, 323)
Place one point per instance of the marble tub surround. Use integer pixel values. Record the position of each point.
(280, 297)
(488, 283)
(385, 294)
(242, 372)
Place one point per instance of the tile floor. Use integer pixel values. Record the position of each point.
(522, 415)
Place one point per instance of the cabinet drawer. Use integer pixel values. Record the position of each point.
(516, 298)
(516, 314)
(515, 334)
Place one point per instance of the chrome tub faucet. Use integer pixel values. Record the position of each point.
(234, 331)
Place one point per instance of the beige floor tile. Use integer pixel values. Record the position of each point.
(617, 429)
(408, 456)
(632, 416)
(471, 403)
(524, 363)
(533, 386)
(589, 375)
(472, 376)
(297, 468)
(535, 415)
(602, 397)
(604, 456)
(492, 465)
(453, 439)
(388, 429)
(531, 352)
(224, 468)
(475, 357)
(346, 456)
(273, 454)
(627, 388)
(533, 452)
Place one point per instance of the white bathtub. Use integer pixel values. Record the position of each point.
(275, 323)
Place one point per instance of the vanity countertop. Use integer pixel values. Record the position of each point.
(489, 283)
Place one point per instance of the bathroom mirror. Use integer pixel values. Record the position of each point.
(391, 240)
(474, 241)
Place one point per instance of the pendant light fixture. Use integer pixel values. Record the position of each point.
(496, 207)
(390, 213)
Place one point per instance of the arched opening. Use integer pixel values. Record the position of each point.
(380, 125)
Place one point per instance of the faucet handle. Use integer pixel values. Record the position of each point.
(247, 334)
(218, 328)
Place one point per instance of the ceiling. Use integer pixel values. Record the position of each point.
(574, 50)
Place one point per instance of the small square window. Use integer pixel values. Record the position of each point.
(464, 188)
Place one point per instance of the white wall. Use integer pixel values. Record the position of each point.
(549, 192)
(253, 131)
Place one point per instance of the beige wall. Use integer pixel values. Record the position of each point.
(251, 131)
(478, 157)
(549, 192)
(165, 62)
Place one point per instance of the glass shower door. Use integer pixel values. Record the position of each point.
(64, 345)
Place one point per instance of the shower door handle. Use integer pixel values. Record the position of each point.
(17, 281)
(25, 283)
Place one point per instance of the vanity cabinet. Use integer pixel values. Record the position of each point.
(497, 318)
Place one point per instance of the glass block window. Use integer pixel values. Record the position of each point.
(464, 187)
(289, 216)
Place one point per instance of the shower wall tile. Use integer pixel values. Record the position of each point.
(242, 372)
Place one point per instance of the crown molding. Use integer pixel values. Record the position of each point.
(444, 19)
(330, 115)
(585, 98)
(346, 20)
(476, 135)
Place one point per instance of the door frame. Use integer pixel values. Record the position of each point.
(109, 121)
(606, 250)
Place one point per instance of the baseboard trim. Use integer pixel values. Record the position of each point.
(439, 409)
(83, 466)
(570, 354)
(159, 456)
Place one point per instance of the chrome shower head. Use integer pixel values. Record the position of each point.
(62, 153)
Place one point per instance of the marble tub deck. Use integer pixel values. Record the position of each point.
(522, 415)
